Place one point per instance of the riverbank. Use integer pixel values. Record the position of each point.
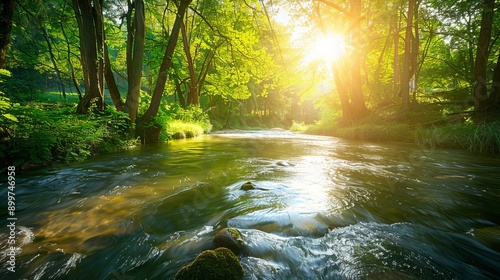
(50, 133)
(423, 126)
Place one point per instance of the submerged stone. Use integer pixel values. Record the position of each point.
(216, 264)
(232, 239)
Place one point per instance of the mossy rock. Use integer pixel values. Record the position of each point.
(232, 239)
(248, 186)
(216, 264)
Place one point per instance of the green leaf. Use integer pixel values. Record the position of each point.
(10, 117)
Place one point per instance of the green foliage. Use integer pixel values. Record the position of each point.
(299, 127)
(179, 123)
(46, 134)
(483, 137)
(177, 129)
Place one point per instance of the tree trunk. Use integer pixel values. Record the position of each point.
(356, 90)
(407, 72)
(414, 55)
(178, 88)
(136, 34)
(70, 64)
(152, 132)
(89, 18)
(114, 93)
(6, 14)
(192, 96)
(395, 65)
(342, 91)
(494, 98)
(482, 55)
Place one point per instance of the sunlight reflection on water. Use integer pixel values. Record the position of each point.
(324, 209)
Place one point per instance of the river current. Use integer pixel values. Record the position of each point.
(326, 208)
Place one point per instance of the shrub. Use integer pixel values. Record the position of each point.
(179, 123)
(299, 127)
(178, 129)
(42, 135)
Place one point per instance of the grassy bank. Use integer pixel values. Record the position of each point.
(426, 124)
(43, 133)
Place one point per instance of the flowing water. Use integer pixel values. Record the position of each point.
(325, 208)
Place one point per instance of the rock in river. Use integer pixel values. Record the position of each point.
(251, 186)
(216, 264)
(247, 186)
(231, 238)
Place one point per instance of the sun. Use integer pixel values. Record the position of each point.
(329, 47)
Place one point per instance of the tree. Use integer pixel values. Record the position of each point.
(6, 14)
(481, 100)
(89, 17)
(147, 130)
(347, 71)
(136, 32)
(411, 49)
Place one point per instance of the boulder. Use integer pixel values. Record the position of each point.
(216, 264)
(251, 186)
(232, 239)
(247, 186)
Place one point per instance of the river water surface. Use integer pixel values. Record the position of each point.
(326, 209)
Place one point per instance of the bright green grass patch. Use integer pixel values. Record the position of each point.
(177, 129)
(299, 127)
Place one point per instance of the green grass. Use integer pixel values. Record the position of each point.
(484, 138)
(299, 127)
(429, 123)
(178, 129)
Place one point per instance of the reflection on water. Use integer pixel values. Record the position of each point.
(323, 209)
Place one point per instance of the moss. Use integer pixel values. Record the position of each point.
(235, 233)
(232, 239)
(220, 263)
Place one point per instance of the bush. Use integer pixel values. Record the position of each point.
(43, 135)
(299, 127)
(179, 130)
(179, 123)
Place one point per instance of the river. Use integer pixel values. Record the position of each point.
(327, 209)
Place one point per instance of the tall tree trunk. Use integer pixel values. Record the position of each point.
(70, 64)
(356, 90)
(6, 14)
(136, 30)
(414, 54)
(343, 91)
(178, 88)
(407, 72)
(152, 132)
(482, 55)
(494, 98)
(395, 65)
(89, 18)
(114, 92)
(192, 98)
